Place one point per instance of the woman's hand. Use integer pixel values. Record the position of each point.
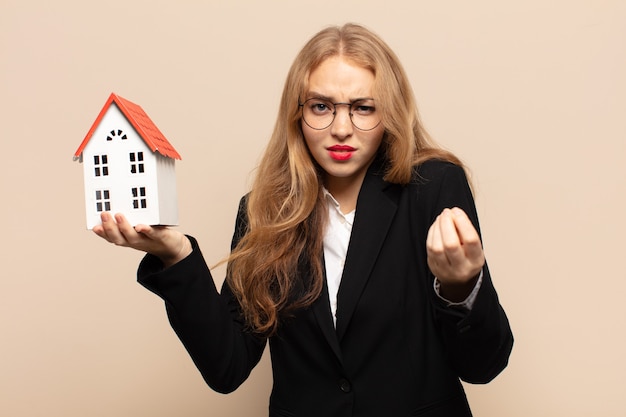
(455, 253)
(169, 245)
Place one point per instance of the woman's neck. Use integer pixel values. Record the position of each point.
(345, 191)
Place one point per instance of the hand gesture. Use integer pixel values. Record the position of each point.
(455, 253)
(167, 244)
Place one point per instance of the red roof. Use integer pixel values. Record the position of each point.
(140, 121)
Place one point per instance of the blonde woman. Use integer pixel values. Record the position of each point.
(356, 254)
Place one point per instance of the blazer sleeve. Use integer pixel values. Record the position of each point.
(209, 324)
(478, 342)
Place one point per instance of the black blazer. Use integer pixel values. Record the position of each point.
(397, 349)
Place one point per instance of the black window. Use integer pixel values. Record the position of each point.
(103, 200)
(136, 162)
(139, 198)
(101, 165)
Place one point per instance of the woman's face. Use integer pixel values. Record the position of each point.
(342, 150)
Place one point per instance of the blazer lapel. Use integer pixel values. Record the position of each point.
(321, 310)
(374, 212)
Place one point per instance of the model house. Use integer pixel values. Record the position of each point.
(128, 167)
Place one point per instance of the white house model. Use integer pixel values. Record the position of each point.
(128, 167)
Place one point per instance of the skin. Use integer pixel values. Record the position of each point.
(454, 249)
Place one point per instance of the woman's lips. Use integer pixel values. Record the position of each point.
(341, 152)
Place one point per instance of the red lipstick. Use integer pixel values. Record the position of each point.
(341, 152)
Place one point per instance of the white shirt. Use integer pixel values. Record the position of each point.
(336, 240)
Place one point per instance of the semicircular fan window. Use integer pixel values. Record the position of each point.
(119, 133)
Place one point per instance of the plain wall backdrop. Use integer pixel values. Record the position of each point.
(530, 94)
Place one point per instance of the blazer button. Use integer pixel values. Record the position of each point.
(344, 385)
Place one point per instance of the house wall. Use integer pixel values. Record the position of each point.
(531, 94)
(167, 194)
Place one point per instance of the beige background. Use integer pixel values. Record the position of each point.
(531, 94)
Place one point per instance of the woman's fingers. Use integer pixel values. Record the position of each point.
(453, 247)
(450, 240)
(468, 237)
(109, 230)
(117, 230)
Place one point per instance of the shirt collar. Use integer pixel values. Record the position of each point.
(334, 208)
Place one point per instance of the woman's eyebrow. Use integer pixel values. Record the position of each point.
(313, 94)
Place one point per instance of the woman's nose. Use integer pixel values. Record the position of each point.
(342, 125)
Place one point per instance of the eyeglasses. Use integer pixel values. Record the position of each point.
(319, 113)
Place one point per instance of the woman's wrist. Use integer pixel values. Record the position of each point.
(184, 250)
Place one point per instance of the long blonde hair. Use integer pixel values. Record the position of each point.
(286, 211)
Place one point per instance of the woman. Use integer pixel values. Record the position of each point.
(356, 254)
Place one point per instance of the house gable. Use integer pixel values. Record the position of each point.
(140, 121)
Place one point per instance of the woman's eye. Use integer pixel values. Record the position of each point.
(363, 108)
(320, 107)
